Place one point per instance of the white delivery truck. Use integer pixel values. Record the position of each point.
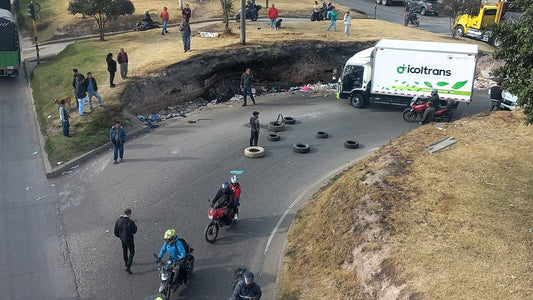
(395, 71)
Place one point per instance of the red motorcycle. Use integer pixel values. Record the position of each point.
(416, 109)
(218, 219)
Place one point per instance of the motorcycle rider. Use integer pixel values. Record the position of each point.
(176, 253)
(147, 20)
(224, 198)
(251, 7)
(236, 188)
(247, 288)
(433, 106)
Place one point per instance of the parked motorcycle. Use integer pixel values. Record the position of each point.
(415, 112)
(411, 17)
(168, 269)
(218, 219)
(142, 26)
(250, 14)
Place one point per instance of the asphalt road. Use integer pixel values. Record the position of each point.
(34, 260)
(395, 14)
(169, 174)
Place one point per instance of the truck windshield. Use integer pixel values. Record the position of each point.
(352, 78)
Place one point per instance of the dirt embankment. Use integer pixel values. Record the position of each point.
(216, 75)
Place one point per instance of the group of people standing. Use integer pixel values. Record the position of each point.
(332, 15)
(85, 89)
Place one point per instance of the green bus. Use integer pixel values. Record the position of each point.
(9, 45)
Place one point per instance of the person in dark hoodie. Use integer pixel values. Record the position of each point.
(164, 17)
(111, 68)
(185, 35)
(125, 228)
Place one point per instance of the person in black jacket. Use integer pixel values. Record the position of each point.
(75, 74)
(224, 198)
(111, 68)
(125, 228)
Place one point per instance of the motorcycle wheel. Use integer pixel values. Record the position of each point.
(211, 232)
(409, 115)
(406, 20)
(238, 18)
(168, 292)
(417, 23)
(254, 17)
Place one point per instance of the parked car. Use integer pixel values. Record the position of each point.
(424, 7)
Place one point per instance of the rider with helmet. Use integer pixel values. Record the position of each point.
(224, 198)
(247, 288)
(176, 253)
(434, 105)
(236, 188)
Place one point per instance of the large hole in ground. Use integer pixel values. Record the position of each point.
(216, 75)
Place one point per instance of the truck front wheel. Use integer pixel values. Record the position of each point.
(459, 31)
(358, 100)
(495, 42)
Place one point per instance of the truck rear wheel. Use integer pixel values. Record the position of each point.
(495, 42)
(358, 100)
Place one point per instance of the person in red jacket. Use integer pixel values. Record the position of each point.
(164, 17)
(236, 187)
(273, 15)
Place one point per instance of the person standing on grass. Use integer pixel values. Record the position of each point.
(81, 93)
(75, 74)
(273, 16)
(347, 24)
(254, 128)
(125, 228)
(247, 79)
(118, 136)
(92, 90)
(333, 18)
(111, 68)
(186, 12)
(164, 17)
(185, 35)
(122, 59)
(64, 117)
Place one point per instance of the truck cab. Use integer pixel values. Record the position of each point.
(356, 77)
(475, 26)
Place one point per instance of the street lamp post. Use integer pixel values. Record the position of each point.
(243, 22)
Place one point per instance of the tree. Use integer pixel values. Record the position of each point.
(516, 50)
(101, 10)
(227, 11)
(455, 8)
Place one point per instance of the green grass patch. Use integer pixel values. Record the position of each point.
(53, 79)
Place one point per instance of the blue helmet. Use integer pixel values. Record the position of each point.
(225, 184)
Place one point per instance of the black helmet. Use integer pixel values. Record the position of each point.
(248, 277)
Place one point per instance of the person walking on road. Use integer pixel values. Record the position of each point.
(254, 128)
(125, 228)
(92, 90)
(164, 17)
(273, 16)
(75, 74)
(111, 68)
(333, 18)
(185, 35)
(247, 79)
(122, 59)
(118, 136)
(64, 116)
(81, 93)
(347, 24)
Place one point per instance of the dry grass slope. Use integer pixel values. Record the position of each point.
(405, 224)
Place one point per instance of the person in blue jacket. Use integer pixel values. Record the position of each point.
(247, 288)
(118, 136)
(175, 250)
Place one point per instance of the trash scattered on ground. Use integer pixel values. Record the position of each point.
(65, 173)
(28, 188)
(53, 184)
(444, 143)
(35, 153)
(75, 167)
(59, 162)
(49, 116)
(208, 34)
(150, 171)
(305, 89)
(39, 198)
(107, 231)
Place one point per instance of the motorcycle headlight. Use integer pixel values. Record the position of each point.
(210, 217)
(165, 276)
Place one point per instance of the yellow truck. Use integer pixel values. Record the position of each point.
(475, 27)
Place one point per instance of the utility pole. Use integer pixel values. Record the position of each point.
(243, 22)
(181, 4)
(31, 10)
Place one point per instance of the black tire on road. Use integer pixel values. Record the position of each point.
(358, 100)
(301, 148)
(276, 126)
(211, 232)
(351, 144)
(254, 152)
(321, 134)
(274, 137)
(289, 120)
